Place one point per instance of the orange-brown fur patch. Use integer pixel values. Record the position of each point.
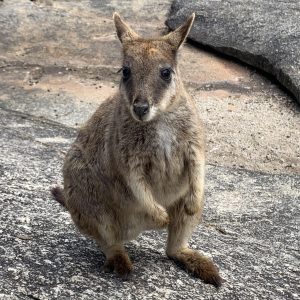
(152, 51)
(199, 265)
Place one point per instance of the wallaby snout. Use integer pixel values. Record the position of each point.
(141, 108)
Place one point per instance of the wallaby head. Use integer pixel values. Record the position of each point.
(150, 83)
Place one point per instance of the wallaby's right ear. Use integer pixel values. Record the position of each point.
(124, 32)
(177, 37)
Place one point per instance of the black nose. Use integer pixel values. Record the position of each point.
(140, 109)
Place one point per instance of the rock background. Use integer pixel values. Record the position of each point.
(58, 61)
(262, 33)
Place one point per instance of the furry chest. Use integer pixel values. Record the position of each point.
(164, 161)
(167, 175)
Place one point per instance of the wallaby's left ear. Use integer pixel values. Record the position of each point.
(177, 37)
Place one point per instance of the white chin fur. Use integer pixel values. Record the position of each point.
(148, 117)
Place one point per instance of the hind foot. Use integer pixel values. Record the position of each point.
(119, 263)
(199, 265)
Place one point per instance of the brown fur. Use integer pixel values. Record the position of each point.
(120, 263)
(125, 173)
(199, 265)
(58, 195)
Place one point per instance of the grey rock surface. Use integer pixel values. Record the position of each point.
(251, 230)
(262, 33)
(59, 60)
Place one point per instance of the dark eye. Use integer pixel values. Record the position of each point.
(165, 74)
(126, 72)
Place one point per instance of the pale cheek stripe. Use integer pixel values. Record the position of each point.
(168, 97)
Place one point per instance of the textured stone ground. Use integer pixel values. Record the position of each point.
(58, 61)
(262, 33)
(250, 229)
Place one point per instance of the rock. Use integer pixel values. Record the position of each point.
(262, 33)
(76, 79)
(250, 230)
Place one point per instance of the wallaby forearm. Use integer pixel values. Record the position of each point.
(144, 195)
(194, 202)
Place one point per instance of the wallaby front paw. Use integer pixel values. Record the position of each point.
(165, 218)
(192, 208)
(161, 218)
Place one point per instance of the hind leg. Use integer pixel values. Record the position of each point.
(180, 230)
(104, 232)
(88, 203)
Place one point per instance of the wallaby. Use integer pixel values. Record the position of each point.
(138, 162)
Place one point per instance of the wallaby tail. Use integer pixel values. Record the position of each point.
(58, 195)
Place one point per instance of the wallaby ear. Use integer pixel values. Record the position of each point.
(177, 37)
(124, 32)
